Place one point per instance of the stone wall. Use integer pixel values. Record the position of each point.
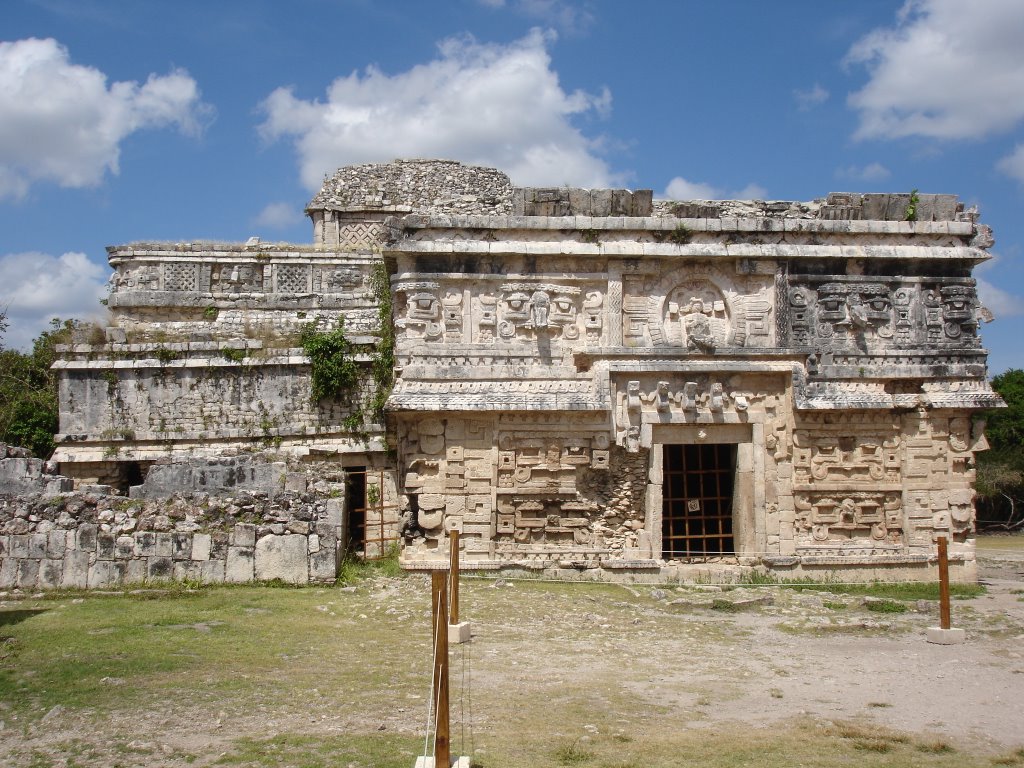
(235, 519)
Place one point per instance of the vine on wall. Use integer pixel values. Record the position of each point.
(335, 372)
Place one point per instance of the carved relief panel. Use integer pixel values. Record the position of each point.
(848, 481)
(239, 278)
(845, 313)
(701, 309)
(444, 311)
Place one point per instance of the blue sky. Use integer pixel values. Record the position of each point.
(125, 120)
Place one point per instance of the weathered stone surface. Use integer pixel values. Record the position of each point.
(75, 574)
(240, 564)
(282, 557)
(201, 543)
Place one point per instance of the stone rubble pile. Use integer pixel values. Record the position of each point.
(437, 186)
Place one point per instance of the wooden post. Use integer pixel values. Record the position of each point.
(439, 613)
(453, 578)
(944, 621)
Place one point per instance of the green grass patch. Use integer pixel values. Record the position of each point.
(886, 606)
(910, 590)
(309, 751)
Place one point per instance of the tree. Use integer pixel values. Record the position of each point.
(28, 390)
(1000, 479)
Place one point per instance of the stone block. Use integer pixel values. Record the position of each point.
(335, 512)
(86, 537)
(145, 543)
(135, 571)
(19, 546)
(187, 570)
(107, 573)
(240, 565)
(600, 202)
(164, 544)
(218, 546)
(56, 543)
(323, 565)
(159, 567)
(124, 547)
(75, 573)
(942, 636)
(295, 481)
(284, 558)
(50, 573)
(181, 546)
(105, 546)
(459, 633)
(37, 546)
(211, 571)
(243, 535)
(28, 574)
(8, 572)
(5, 546)
(201, 543)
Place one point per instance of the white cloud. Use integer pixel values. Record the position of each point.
(496, 105)
(812, 97)
(568, 16)
(681, 189)
(752, 192)
(34, 284)
(278, 216)
(61, 122)
(1001, 303)
(1013, 164)
(869, 172)
(947, 70)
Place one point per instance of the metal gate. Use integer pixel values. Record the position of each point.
(696, 516)
(372, 523)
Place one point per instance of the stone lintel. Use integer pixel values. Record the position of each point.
(721, 251)
(763, 224)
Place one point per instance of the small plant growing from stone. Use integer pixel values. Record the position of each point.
(165, 355)
(234, 355)
(911, 212)
(590, 236)
(334, 371)
(681, 235)
(210, 313)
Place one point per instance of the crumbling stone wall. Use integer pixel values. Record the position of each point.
(98, 540)
(233, 519)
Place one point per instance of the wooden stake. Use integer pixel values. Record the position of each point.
(453, 578)
(944, 621)
(439, 612)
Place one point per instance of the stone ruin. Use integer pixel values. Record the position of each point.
(588, 383)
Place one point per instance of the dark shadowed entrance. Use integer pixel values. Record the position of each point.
(697, 492)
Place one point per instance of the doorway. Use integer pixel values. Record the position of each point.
(697, 500)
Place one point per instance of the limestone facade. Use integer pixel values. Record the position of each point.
(587, 381)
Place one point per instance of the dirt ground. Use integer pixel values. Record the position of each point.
(611, 660)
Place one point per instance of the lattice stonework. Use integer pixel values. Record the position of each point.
(293, 278)
(180, 277)
(359, 235)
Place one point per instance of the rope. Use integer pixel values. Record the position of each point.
(734, 584)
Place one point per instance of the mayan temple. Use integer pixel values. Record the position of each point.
(587, 383)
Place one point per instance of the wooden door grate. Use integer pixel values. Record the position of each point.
(696, 517)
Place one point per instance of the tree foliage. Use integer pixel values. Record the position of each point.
(28, 390)
(1000, 478)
